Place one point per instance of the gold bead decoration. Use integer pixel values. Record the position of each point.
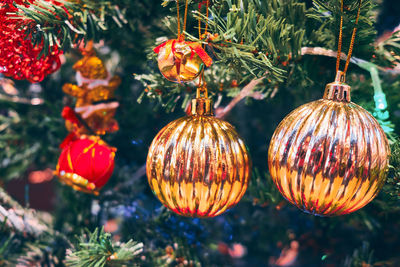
(78, 183)
(198, 166)
(329, 157)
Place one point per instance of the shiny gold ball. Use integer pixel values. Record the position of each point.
(198, 166)
(178, 62)
(329, 157)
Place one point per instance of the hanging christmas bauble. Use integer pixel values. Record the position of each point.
(329, 157)
(198, 166)
(181, 61)
(86, 163)
(19, 59)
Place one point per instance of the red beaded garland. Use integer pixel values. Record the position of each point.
(18, 57)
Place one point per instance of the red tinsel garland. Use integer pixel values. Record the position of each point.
(18, 57)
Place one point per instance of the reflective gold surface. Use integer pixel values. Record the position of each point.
(179, 63)
(198, 166)
(329, 157)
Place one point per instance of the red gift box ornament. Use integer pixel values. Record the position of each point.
(86, 164)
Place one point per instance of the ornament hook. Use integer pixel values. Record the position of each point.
(202, 105)
(338, 90)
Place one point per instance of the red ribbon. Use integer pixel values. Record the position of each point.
(202, 3)
(69, 115)
(207, 60)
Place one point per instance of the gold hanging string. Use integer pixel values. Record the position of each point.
(178, 18)
(199, 20)
(185, 18)
(199, 23)
(340, 38)
(181, 33)
(353, 36)
(207, 14)
(202, 86)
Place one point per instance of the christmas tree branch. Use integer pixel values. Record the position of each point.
(320, 51)
(18, 219)
(392, 187)
(97, 249)
(245, 92)
(255, 38)
(317, 51)
(69, 22)
(136, 176)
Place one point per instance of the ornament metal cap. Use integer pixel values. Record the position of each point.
(338, 90)
(202, 105)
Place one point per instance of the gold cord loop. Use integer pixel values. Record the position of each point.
(185, 18)
(178, 18)
(353, 36)
(181, 34)
(202, 86)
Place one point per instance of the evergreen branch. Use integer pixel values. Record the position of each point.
(387, 48)
(136, 176)
(68, 24)
(320, 51)
(97, 249)
(392, 186)
(328, 14)
(18, 219)
(245, 92)
(255, 38)
(262, 190)
(362, 256)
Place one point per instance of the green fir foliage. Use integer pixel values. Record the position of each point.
(248, 39)
(96, 249)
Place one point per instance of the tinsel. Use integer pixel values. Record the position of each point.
(19, 58)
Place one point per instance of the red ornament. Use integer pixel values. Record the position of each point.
(18, 57)
(18, 2)
(69, 114)
(86, 164)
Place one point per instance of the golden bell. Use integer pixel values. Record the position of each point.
(178, 62)
(198, 166)
(329, 157)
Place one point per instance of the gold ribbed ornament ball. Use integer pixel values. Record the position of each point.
(198, 166)
(329, 157)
